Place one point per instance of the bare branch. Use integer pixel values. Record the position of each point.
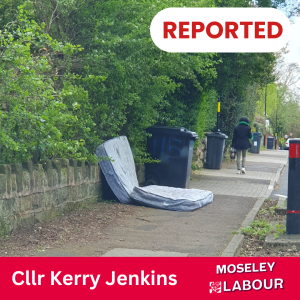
(52, 19)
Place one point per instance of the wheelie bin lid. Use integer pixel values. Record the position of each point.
(179, 131)
(257, 133)
(218, 135)
(270, 137)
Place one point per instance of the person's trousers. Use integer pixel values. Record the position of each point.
(240, 153)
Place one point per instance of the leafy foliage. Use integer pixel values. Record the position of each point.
(261, 228)
(258, 228)
(144, 85)
(38, 117)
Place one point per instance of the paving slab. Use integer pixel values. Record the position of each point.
(267, 159)
(232, 186)
(232, 173)
(123, 252)
(281, 206)
(257, 166)
(285, 241)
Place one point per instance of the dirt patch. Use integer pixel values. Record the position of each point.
(276, 187)
(254, 245)
(85, 225)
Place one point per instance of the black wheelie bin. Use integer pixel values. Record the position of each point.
(270, 142)
(215, 150)
(173, 146)
(256, 142)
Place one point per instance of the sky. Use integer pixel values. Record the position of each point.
(294, 43)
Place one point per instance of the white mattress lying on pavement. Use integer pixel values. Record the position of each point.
(171, 198)
(117, 165)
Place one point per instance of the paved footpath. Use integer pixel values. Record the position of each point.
(204, 232)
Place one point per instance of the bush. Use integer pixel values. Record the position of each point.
(41, 106)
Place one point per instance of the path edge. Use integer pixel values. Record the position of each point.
(234, 246)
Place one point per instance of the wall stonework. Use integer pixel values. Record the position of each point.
(199, 154)
(31, 193)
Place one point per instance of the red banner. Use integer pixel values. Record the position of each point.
(148, 278)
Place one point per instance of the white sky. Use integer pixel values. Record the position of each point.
(294, 44)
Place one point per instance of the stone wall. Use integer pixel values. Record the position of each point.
(199, 154)
(31, 193)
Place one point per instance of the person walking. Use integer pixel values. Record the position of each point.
(240, 141)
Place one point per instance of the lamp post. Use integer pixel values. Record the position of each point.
(266, 100)
(218, 114)
(265, 142)
(276, 134)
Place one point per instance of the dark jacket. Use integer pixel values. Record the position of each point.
(241, 135)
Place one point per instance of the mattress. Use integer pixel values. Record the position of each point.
(171, 198)
(117, 164)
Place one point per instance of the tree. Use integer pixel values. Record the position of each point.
(142, 82)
